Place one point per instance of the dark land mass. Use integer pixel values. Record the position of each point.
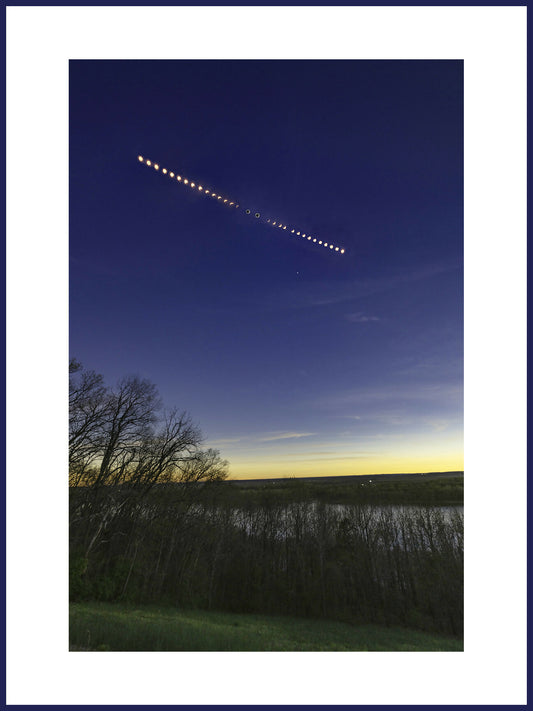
(356, 478)
(331, 548)
(428, 488)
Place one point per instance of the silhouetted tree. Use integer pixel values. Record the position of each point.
(122, 436)
(121, 444)
(87, 411)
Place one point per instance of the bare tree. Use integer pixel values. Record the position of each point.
(203, 466)
(157, 458)
(121, 445)
(87, 410)
(130, 416)
(122, 437)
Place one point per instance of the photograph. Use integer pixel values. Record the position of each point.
(266, 334)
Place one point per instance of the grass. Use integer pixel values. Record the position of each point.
(117, 627)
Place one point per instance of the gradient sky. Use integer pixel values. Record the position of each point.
(293, 359)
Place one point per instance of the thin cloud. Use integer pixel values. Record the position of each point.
(325, 293)
(438, 425)
(360, 317)
(425, 392)
(307, 454)
(331, 459)
(248, 441)
(285, 435)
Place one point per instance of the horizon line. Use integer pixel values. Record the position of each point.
(345, 476)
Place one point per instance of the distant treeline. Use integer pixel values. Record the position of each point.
(438, 491)
(184, 546)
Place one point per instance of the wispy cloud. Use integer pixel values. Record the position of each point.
(285, 435)
(325, 293)
(332, 459)
(326, 456)
(394, 393)
(252, 439)
(360, 317)
(438, 425)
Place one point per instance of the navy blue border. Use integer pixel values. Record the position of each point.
(4, 383)
(278, 3)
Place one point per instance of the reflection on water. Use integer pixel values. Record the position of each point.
(406, 525)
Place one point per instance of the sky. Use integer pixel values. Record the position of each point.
(294, 359)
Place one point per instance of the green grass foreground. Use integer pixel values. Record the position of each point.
(118, 628)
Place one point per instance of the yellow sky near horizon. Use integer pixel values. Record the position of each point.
(304, 454)
(279, 467)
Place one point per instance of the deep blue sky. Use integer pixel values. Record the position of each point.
(293, 359)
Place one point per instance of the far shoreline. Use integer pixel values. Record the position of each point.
(344, 478)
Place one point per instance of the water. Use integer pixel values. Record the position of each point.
(392, 524)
